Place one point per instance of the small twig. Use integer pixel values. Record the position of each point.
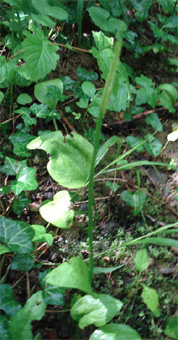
(28, 285)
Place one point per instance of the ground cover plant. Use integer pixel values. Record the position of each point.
(89, 183)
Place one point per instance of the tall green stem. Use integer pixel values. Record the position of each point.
(103, 106)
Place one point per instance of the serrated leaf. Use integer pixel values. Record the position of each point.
(71, 275)
(7, 302)
(20, 323)
(153, 120)
(58, 211)
(17, 235)
(25, 181)
(114, 331)
(141, 260)
(153, 146)
(40, 56)
(70, 159)
(41, 235)
(23, 262)
(89, 310)
(171, 329)
(42, 89)
(150, 298)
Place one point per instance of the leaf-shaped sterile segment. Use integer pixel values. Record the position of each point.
(89, 310)
(41, 235)
(114, 331)
(171, 329)
(71, 275)
(41, 90)
(7, 302)
(150, 298)
(141, 260)
(20, 323)
(70, 159)
(17, 235)
(25, 181)
(57, 211)
(105, 147)
(40, 56)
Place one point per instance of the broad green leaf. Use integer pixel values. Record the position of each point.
(41, 235)
(4, 249)
(20, 203)
(11, 166)
(1, 96)
(4, 327)
(89, 310)
(7, 302)
(41, 111)
(23, 262)
(43, 20)
(171, 22)
(150, 298)
(102, 42)
(20, 323)
(85, 75)
(136, 200)
(114, 331)
(170, 90)
(52, 295)
(153, 146)
(20, 141)
(171, 329)
(71, 275)
(41, 91)
(105, 147)
(89, 89)
(160, 241)
(153, 120)
(144, 81)
(17, 235)
(119, 100)
(141, 9)
(7, 70)
(25, 181)
(141, 260)
(133, 141)
(40, 56)
(101, 18)
(43, 7)
(24, 99)
(58, 211)
(70, 159)
(166, 101)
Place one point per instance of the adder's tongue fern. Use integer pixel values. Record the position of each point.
(103, 106)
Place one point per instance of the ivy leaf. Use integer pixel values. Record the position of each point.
(114, 331)
(71, 275)
(40, 57)
(89, 310)
(20, 140)
(101, 18)
(52, 295)
(153, 146)
(141, 260)
(70, 159)
(23, 262)
(25, 181)
(17, 235)
(85, 75)
(133, 141)
(41, 111)
(11, 166)
(153, 120)
(57, 211)
(20, 203)
(7, 302)
(20, 323)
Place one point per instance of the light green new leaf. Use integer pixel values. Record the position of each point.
(102, 42)
(4, 249)
(40, 56)
(41, 235)
(57, 211)
(150, 298)
(41, 91)
(89, 310)
(153, 120)
(20, 323)
(7, 302)
(25, 181)
(71, 275)
(17, 235)
(114, 331)
(70, 159)
(171, 329)
(141, 260)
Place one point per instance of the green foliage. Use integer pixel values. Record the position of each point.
(114, 331)
(171, 329)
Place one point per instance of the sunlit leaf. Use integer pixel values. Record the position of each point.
(141, 260)
(114, 331)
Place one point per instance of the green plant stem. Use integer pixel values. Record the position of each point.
(103, 106)
(55, 124)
